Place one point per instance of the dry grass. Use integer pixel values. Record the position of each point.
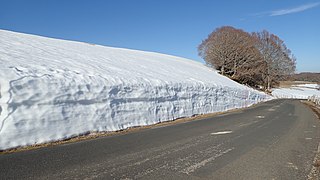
(317, 164)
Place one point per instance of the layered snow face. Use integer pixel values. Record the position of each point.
(55, 89)
(301, 91)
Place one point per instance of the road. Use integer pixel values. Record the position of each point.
(273, 140)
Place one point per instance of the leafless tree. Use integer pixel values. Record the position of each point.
(232, 51)
(255, 59)
(277, 58)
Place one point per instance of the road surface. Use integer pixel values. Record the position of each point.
(273, 140)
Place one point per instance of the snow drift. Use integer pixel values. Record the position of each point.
(55, 89)
(301, 91)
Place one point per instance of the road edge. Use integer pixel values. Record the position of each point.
(314, 173)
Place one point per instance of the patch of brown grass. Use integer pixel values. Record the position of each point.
(317, 163)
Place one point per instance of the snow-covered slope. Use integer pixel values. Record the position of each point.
(312, 86)
(301, 91)
(55, 89)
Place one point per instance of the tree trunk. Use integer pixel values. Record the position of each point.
(268, 86)
(222, 70)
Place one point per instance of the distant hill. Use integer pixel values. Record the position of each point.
(307, 76)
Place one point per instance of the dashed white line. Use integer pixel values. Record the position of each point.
(198, 165)
(221, 132)
(291, 165)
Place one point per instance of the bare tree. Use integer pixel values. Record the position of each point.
(255, 59)
(215, 50)
(232, 51)
(277, 58)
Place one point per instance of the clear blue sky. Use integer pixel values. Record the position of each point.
(168, 26)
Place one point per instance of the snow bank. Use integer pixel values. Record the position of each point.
(302, 91)
(55, 89)
(313, 86)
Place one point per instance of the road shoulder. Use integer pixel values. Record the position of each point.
(315, 170)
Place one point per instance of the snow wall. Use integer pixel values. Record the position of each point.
(55, 89)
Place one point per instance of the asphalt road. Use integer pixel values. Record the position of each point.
(273, 140)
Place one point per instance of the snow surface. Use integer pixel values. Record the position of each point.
(55, 89)
(314, 86)
(301, 91)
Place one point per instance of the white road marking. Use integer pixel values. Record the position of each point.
(271, 109)
(260, 117)
(247, 124)
(244, 124)
(291, 165)
(198, 165)
(221, 132)
(308, 138)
